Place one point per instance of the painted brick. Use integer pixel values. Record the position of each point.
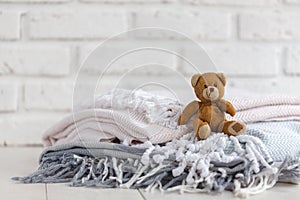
(143, 61)
(241, 60)
(26, 128)
(274, 85)
(10, 25)
(167, 84)
(293, 61)
(48, 95)
(8, 96)
(34, 1)
(128, 1)
(286, 85)
(292, 2)
(34, 60)
(269, 26)
(29, 105)
(233, 2)
(249, 85)
(210, 26)
(76, 25)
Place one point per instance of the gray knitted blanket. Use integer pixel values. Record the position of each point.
(247, 164)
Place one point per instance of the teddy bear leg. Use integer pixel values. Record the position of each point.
(202, 129)
(233, 128)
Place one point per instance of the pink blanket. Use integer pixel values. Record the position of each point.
(256, 108)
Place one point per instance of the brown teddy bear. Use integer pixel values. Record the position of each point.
(209, 88)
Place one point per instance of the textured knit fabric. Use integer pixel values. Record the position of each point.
(280, 138)
(138, 116)
(249, 101)
(255, 108)
(246, 164)
(125, 115)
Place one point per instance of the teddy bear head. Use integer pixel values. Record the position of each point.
(209, 87)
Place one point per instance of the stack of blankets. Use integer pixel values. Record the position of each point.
(130, 139)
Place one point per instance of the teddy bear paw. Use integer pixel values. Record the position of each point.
(236, 128)
(203, 132)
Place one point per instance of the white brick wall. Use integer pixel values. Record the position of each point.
(246, 60)
(76, 24)
(269, 26)
(130, 62)
(26, 128)
(126, 1)
(296, 2)
(205, 26)
(34, 60)
(293, 60)
(8, 96)
(50, 95)
(43, 42)
(34, 1)
(10, 25)
(235, 3)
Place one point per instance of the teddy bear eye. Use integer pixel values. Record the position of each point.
(215, 85)
(205, 86)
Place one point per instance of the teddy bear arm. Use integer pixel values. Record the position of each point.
(188, 112)
(226, 106)
(230, 109)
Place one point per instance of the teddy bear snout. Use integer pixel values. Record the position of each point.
(211, 93)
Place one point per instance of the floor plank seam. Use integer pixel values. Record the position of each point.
(141, 193)
(46, 191)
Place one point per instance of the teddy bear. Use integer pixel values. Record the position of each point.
(210, 111)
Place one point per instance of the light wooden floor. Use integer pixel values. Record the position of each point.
(22, 161)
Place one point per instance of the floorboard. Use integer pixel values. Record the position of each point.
(20, 161)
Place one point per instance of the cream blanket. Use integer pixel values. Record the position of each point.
(129, 116)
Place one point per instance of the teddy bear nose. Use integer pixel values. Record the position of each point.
(211, 89)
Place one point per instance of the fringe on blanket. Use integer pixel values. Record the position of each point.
(180, 165)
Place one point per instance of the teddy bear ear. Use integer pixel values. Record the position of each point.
(195, 79)
(222, 78)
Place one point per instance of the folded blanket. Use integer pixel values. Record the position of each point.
(247, 164)
(138, 116)
(255, 108)
(130, 116)
(250, 101)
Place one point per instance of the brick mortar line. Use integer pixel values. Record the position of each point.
(80, 42)
(149, 6)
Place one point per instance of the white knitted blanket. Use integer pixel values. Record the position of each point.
(131, 117)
